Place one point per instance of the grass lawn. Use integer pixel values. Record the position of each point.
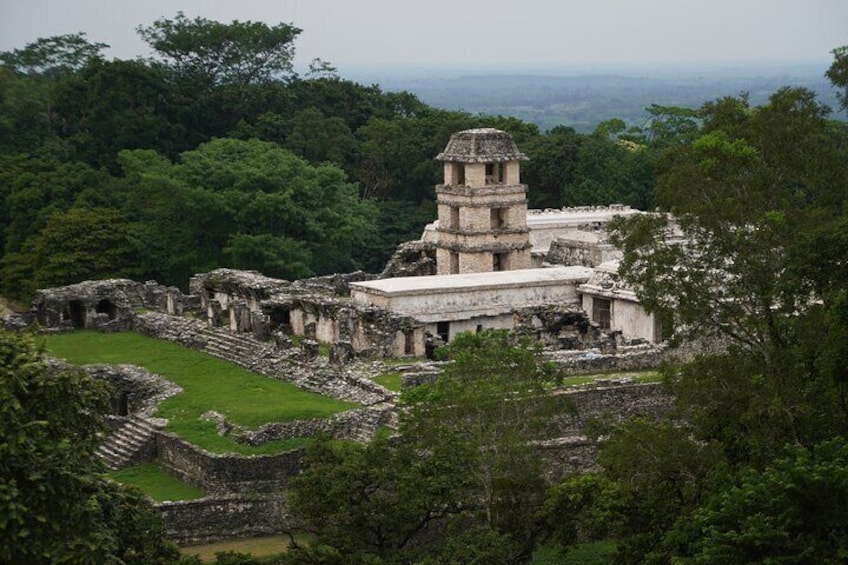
(209, 383)
(392, 381)
(156, 483)
(264, 547)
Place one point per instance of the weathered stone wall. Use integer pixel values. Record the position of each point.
(561, 326)
(141, 390)
(108, 305)
(352, 425)
(568, 455)
(337, 284)
(618, 402)
(225, 474)
(574, 251)
(225, 517)
(411, 259)
(608, 359)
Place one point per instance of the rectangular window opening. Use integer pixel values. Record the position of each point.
(454, 218)
(500, 261)
(408, 342)
(498, 217)
(443, 330)
(602, 312)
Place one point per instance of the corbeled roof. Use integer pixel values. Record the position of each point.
(482, 145)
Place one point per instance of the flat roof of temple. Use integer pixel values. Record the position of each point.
(498, 279)
(579, 215)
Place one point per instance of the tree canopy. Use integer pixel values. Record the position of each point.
(464, 465)
(742, 251)
(55, 504)
(238, 53)
(64, 107)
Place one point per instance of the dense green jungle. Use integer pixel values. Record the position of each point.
(214, 153)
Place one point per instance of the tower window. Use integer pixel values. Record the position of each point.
(454, 218)
(494, 173)
(498, 217)
(454, 262)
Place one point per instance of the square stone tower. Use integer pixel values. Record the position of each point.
(482, 205)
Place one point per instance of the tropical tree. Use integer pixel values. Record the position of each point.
(56, 507)
(553, 160)
(214, 53)
(491, 399)
(791, 512)
(838, 73)
(380, 501)
(53, 55)
(226, 198)
(747, 248)
(76, 245)
(460, 484)
(741, 195)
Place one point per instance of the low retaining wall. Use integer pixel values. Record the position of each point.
(565, 456)
(626, 358)
(224, 517)
(350, 425)
(226, 474)
(619, 402)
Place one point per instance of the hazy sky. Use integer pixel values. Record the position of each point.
(467, 34)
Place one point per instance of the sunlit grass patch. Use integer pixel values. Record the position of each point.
(156, 483)
(392, 381)
(244, 398)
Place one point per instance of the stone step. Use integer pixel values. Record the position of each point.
(126, 444)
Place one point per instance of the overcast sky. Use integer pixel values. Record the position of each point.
(468, 34)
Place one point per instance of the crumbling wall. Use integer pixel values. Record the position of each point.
(610, 358)
(350, 425)
(107, 305)
(411, 259)
(225, 474)
(618, 402)
(562, 326)
(575, 251)
(225, 517)
(141, 390)
(249, 302)
(331, 285)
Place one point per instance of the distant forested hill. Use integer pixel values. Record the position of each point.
(583, 100)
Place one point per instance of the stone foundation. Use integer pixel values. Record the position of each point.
(107, 305)
(225, 474)
(225, 517)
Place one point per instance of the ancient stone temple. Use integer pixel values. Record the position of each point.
(482, 205)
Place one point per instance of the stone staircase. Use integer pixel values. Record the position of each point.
(266, 359)
(312, 374)
(132, 442)
(238, 348)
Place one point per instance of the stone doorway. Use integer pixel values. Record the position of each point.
(107, 307)
(76, 310)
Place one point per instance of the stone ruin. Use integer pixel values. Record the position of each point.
(411, 259)
(278, 328)
(107, 305)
